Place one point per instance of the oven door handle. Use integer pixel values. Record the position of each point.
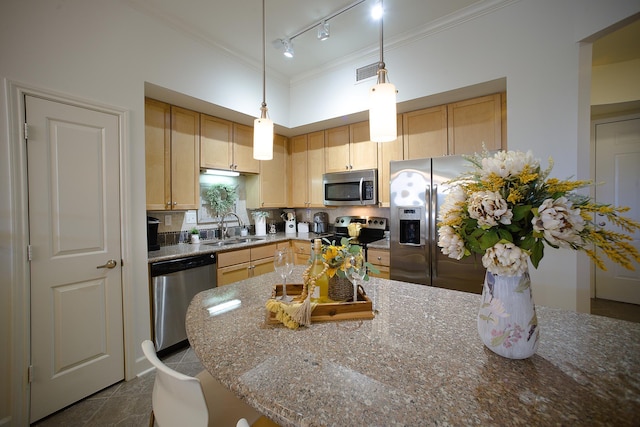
(361, 191)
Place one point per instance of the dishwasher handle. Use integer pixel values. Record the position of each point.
(161, 268)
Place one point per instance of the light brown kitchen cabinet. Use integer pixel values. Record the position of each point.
(172, 156)
(307, 167)
(380, 259)
(269, 189)
(349, 148)
(388, 151)
(301, 251)
(241, 264)
(425, 133)
(475, 122)
(243, 160)
(216, 143)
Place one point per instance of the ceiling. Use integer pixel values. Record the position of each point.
(236, 27)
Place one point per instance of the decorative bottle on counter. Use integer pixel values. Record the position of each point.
(321, 291)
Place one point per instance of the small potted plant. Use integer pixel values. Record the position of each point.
(195, 235)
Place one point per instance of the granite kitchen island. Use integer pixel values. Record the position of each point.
(418, 362)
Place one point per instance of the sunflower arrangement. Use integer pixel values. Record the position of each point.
(507, 209)
(338, 258)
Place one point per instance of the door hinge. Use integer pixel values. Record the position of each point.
(26, 130)
(29, 253)
(30, 374)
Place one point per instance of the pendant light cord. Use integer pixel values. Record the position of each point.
(264, 60)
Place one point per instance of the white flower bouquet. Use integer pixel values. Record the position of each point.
(507, 209)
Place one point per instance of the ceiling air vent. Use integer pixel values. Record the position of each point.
(367, 71)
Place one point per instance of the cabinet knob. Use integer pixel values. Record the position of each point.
(175, 203)
(379, 258)
(168, 203)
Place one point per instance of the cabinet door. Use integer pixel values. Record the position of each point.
(299, 185)
(363, 153)
(243, 149)
(262, 266)
(273, 176)
(380, 259)
(388, 151)
(474, 122)
(216, 141)
(157, 141)
(302, 251)
(336, 149)
(425, 133)
(315, 163)
(233, 273)
(185, 159)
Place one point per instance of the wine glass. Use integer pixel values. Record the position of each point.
(356, 273)
(283, 264)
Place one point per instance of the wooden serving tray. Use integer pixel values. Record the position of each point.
(325, 312)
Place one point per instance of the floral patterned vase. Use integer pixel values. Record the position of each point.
(507, 321)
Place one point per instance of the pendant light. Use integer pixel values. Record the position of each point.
(382, 102)
(263, 126)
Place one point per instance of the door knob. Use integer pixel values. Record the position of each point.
(110, 264)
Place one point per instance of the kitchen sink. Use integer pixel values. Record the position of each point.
(235, 241)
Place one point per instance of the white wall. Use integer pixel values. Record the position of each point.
(103, 52)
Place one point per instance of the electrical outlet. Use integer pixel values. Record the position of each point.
(167, 220)
(190, 217)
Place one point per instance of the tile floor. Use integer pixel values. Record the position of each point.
(126, 404)
(129, 403)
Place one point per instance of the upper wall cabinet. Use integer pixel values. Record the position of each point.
(425, 133)
(269, 189)
(216, 143)
(226, 145)
(307, 166)
(243, 160)
(388, 151)
(475, 122)
(349, 148)
(172, 156)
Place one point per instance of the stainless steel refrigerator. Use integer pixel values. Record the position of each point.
(417, 190)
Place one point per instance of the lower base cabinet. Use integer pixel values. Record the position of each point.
(380, 260)
(244, 263)
(301, 251)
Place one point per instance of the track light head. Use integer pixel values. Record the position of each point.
(288, 48)
(323, 31)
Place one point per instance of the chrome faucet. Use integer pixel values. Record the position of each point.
(223, 229)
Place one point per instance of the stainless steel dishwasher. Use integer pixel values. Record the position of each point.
(174, 283)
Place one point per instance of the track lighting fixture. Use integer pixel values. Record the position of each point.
(323, 31)
(322, 26)
(288, 48)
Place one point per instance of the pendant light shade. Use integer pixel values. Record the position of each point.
(263, 126)
(383, 125)
(263, 136)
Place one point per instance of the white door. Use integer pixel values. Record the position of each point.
(74, 227)
(618, 168)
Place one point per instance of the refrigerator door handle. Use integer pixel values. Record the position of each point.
(428, 195)
(434, 230)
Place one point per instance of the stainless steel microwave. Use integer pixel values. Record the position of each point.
(352, 188)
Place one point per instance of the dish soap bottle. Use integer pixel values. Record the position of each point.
(321, 291)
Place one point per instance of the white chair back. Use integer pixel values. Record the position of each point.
(177, 399)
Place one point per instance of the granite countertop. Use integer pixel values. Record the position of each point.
(418, 362)
(182, 250)
(188, 249)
